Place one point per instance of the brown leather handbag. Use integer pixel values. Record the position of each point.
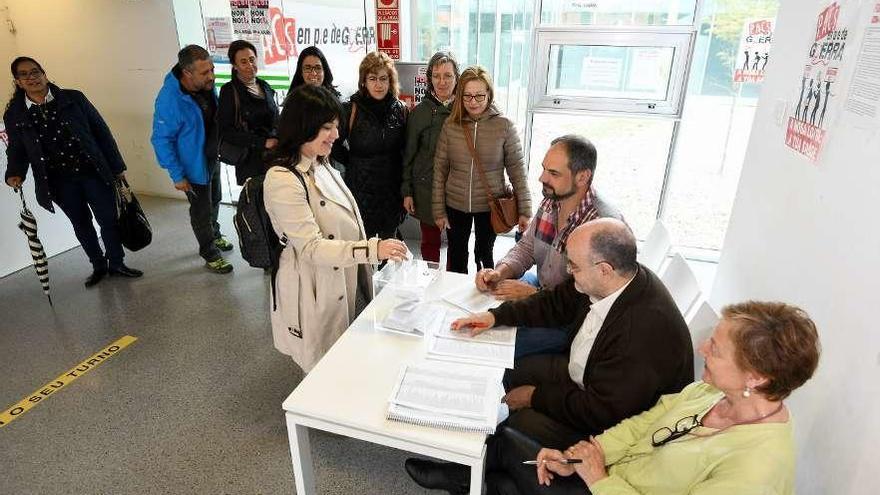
(503, 209)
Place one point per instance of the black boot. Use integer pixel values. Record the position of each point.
(454, 478)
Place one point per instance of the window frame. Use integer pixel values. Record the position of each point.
(680, 39)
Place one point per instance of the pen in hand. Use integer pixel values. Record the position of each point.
(563, 461)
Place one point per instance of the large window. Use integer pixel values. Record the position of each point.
(493, 33)
(667, 149)
(618, 12)
(715, 126)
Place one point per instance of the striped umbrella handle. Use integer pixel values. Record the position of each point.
(20, 191)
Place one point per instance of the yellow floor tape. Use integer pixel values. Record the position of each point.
(64, 380)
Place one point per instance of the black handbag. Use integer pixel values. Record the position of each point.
(230, 153)
(135, 231)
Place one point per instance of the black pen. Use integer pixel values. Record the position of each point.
(564, 461)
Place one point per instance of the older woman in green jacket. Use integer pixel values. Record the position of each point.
(422, 130)
(730, 433)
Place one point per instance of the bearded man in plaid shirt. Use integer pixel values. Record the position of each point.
(569, 201)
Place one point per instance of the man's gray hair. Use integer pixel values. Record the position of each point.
(189, 54)
(581, 152)
(617, 246)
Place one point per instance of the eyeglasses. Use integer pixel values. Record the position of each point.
(571, 268)
(479, 98)
(317, 69)
(31, 74)
(682, 427)
(374, 79)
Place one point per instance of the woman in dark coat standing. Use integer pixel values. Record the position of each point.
(374, 130)
(74, 160)
(422, 130)
(254, 128)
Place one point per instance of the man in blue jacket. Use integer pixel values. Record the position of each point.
(185, 141)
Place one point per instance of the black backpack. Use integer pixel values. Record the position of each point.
(259, 245)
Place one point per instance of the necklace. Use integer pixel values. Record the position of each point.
(738, 423)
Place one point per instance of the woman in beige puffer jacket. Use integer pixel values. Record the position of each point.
(459, 196)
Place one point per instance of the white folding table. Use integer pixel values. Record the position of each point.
(347, 393)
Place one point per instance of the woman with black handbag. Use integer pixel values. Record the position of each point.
(247, 115)
(74, 161)
(476, 147)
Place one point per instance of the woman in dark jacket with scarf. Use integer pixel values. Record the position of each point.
(254, 126)
(74, 160)
(374, 130)
(422, 130)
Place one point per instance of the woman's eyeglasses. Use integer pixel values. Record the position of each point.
(477, 98)
(317, 69)
(31, 74)
(682, 427)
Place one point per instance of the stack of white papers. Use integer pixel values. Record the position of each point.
(494, 347)
(471, 299)
(462, 398)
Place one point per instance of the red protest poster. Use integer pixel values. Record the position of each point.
(818, 98)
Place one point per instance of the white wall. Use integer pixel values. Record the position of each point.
(117, 53)
(808, 234)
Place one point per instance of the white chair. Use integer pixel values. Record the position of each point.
(655, 248)
(682, 283)
(701, 324)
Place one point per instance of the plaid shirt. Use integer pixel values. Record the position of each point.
(548, 214)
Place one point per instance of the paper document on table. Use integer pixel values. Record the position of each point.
(464, 398)
(495, 335)
(496, 349)
(471, 352)
(471, 299)
(410, 317)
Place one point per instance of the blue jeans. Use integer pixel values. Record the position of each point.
(539, 340)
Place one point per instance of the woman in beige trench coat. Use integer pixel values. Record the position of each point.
(325, 270)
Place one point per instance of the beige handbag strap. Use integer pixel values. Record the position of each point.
(473, 150)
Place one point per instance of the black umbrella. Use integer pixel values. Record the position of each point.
(28, 225)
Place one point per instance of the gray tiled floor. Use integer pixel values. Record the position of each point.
(194, 406)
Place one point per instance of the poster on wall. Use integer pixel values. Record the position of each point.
(388, 27)
(259, 17)
(818, 99)
(218, 33)
(863, 98)
(754, 51)
(240, 13)
(413, 78)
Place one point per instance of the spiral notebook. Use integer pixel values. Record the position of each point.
(460, 398)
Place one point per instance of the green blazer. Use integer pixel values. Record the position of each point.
(422, 129)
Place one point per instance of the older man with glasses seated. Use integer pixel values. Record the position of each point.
(628, 346)
(730, 433)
